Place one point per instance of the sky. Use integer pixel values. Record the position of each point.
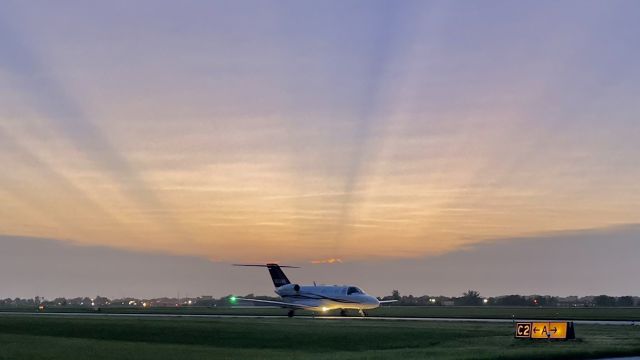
(360, 139)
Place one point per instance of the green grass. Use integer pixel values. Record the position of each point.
(490, 312)
(485, 312)
(33, 337)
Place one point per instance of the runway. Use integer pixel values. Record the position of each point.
(343, 318)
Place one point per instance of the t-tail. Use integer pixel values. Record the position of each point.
(275, 270)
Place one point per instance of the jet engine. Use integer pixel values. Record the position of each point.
(289, 289)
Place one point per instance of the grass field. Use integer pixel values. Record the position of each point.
(33, 337)
(485, 312)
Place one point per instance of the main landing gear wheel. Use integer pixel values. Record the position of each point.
(343, 312)
(290, 313)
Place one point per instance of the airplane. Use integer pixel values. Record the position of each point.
(317, 298)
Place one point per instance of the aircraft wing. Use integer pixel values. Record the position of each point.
(277, 303)
(386, 301)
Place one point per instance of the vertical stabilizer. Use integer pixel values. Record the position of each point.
(277, 275)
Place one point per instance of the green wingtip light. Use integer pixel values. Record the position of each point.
(233, 299)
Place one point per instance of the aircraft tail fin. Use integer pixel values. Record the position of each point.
(275, 270)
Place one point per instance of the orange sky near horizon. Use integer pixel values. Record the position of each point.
(260, 209)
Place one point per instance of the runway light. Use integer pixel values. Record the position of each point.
(485, 301)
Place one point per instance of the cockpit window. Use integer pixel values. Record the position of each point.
(353, 290)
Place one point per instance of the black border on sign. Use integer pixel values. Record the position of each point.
(518, 324)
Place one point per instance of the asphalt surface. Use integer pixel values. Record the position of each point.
(346, 318)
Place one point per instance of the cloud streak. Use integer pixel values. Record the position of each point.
(327, 261)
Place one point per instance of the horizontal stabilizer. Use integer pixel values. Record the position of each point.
(275, 270)
(268, 265)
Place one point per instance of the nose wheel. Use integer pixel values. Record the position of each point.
(290, 313)
(362, 313)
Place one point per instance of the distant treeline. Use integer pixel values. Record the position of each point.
(469, 298)
(473, 298)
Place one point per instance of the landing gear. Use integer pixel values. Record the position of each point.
(290, 313)
(362, 313)
(343, 312)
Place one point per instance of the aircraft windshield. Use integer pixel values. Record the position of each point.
(354, 290)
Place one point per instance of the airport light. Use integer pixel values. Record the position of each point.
(233, 299)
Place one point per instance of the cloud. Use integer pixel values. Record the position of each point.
(327, 261)
(565, 263)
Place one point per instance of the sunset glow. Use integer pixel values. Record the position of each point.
(372, 134)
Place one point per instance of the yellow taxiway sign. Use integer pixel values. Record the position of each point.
(561, 330)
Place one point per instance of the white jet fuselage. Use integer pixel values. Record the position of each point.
(327, 297)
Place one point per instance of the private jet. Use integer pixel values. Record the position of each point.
(316, 298)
